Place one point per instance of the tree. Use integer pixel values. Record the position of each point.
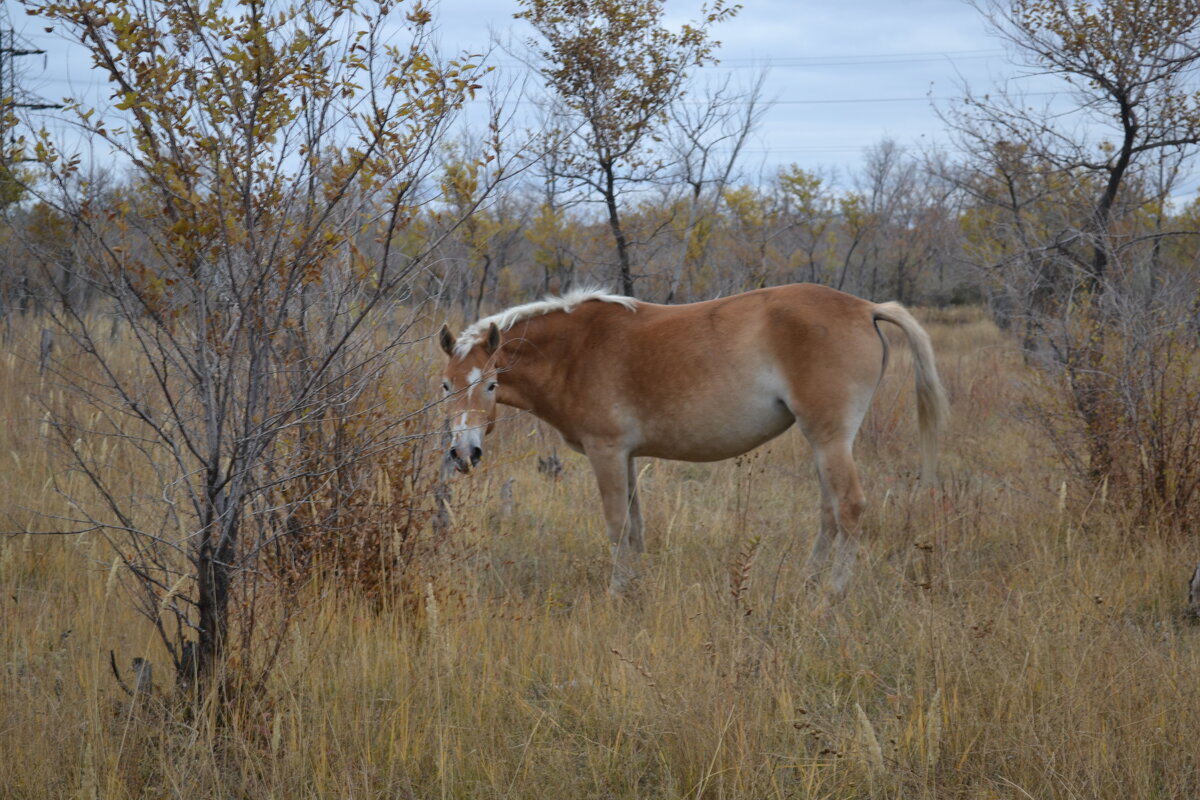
(755, 221)
(555, 240)
(276, 151)
(1128, 65)
(464, 187)
(1074, 189)
(811, 204)
(907, 207)
(707, 139)
(614, 71)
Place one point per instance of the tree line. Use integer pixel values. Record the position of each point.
(895, 233)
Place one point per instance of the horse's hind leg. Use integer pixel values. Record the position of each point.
(830, 413)
(840, 475)
(818, 559)
(842, 502)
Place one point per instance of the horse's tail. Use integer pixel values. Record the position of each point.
(932, 408)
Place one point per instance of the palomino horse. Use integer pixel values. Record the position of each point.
(620, 378)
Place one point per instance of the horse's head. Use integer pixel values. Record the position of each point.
(469, 385)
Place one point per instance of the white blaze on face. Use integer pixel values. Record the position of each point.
(466, 435)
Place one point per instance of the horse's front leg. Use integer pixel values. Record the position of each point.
(613, 476)
(637, 528)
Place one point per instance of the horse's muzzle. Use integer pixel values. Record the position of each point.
(462, 464)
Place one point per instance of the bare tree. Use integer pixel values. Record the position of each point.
(1128, 67)
(1066, 190)
(706, 138)
(276, 152)
(614, 71)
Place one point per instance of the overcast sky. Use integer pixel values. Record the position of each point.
(843, 75)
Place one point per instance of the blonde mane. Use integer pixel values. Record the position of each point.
(506, 319)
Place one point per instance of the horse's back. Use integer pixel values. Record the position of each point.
(797, 327)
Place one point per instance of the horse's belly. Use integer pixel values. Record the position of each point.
(714, 436)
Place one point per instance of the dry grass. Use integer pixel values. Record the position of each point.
(1001, 641)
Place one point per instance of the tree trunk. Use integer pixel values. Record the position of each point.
(487, 263)
(1091, 385)
(214, 560)
(614, 223)
(677, 277)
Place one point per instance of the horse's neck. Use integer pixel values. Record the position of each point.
(529, 363)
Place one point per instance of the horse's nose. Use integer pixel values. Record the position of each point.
(476, 454)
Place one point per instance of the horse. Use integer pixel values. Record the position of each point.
(620, 379)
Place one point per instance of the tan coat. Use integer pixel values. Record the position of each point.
(620, 378)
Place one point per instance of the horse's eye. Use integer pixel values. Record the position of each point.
(446, 387)
(491, 387)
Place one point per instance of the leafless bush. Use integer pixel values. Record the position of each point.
(369, 512)
(1147, 404)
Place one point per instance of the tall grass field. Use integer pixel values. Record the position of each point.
(1008, 635)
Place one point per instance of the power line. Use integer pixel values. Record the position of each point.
(927, 98)
(9, 53)
(975, 52)
(864, 60)
(838, 60)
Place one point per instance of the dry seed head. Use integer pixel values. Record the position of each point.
(111, 583)
(431, 610)
(868, 743)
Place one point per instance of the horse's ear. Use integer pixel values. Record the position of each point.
(447, 340)
(493, 339)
